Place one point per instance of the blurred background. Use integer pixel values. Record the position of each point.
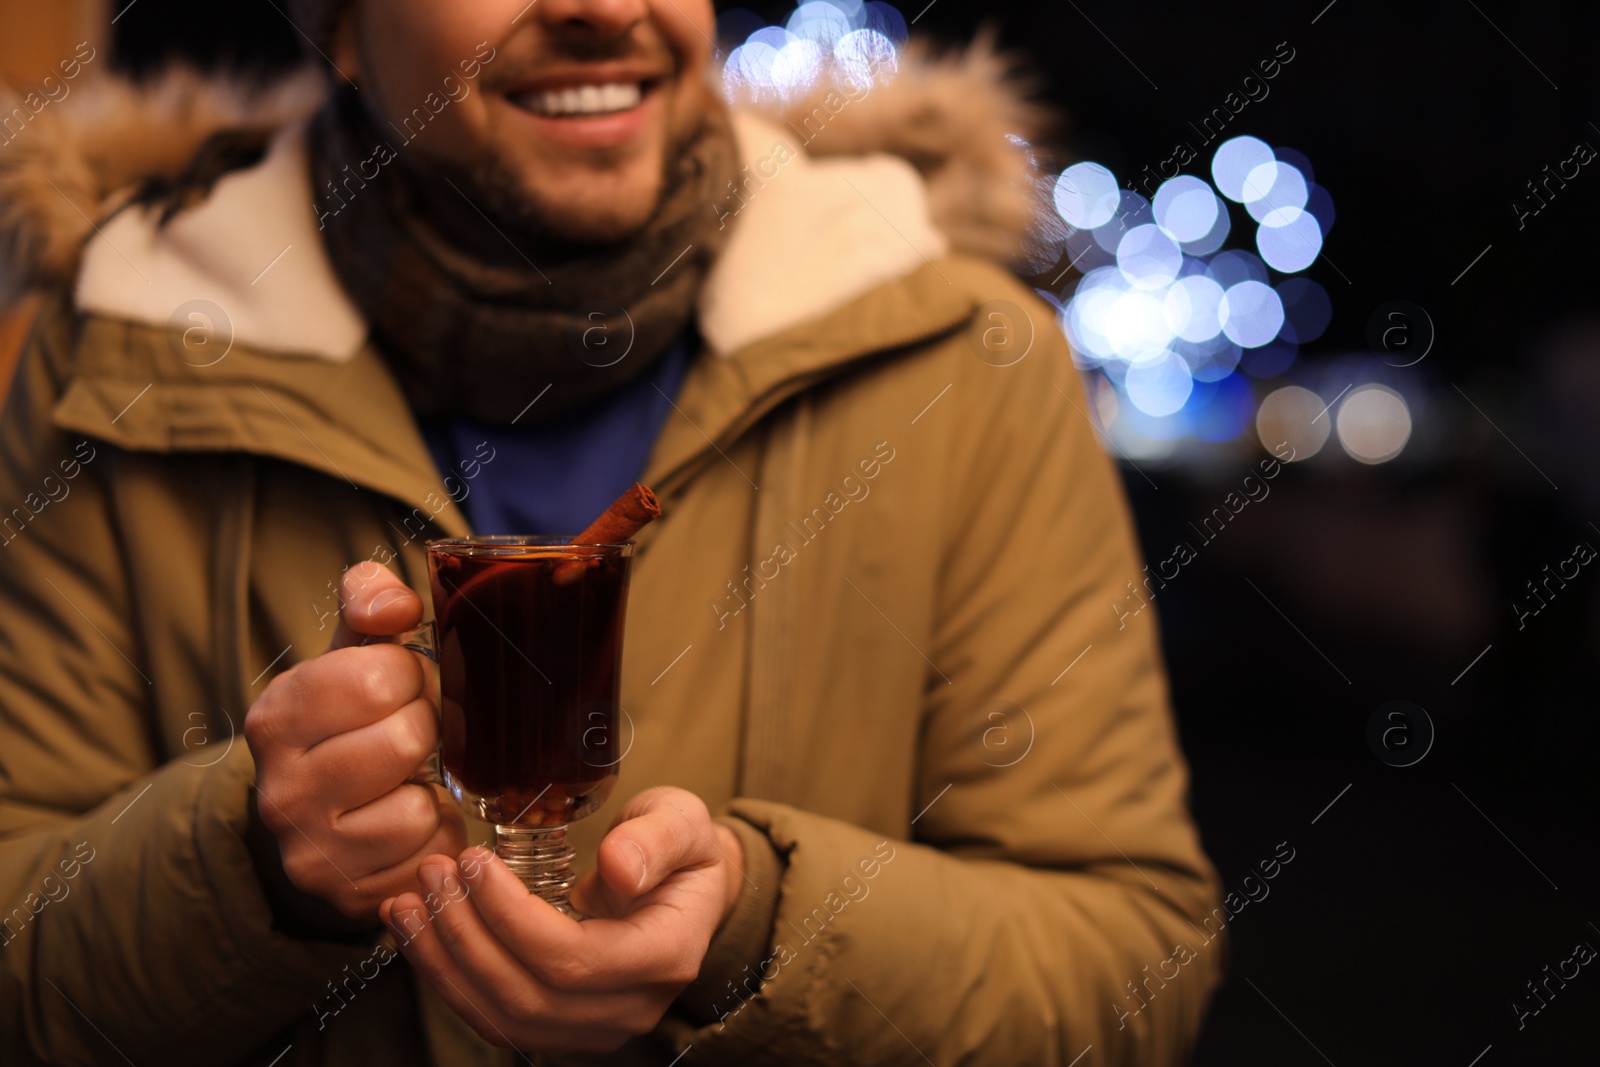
(1367, 233)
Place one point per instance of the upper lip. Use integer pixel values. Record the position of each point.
(588, 74)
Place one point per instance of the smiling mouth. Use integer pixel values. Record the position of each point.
(582, 101)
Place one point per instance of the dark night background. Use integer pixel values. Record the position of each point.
(1418, 905)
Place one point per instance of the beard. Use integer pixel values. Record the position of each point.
(509, 196)
(506, 196)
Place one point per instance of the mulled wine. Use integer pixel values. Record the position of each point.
(529, 640)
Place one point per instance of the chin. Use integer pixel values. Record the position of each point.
(582, 206)
(591, 223)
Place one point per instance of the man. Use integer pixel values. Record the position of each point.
(522, 256)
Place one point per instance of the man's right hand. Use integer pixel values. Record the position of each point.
(336, 739)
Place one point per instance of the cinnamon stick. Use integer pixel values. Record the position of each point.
(620, 522)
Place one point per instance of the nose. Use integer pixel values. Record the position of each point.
(602, 17)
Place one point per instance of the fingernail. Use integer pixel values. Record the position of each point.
(385, 598)
(431, 877)
(644, 865)
(472, 860)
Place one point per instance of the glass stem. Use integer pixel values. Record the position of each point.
(542, 859)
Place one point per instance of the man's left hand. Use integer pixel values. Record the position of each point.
(526, 976)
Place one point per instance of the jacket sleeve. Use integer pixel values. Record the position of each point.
(1054, 906)
(132, 921)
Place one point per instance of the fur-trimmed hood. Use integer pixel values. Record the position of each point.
(73, 164)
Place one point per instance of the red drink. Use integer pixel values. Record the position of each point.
(529, 675)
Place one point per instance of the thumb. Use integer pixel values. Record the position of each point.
(373, 603)
(658, 834)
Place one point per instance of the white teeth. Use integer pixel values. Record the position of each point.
(583, 100)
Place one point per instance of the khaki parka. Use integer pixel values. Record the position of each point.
(877, 630)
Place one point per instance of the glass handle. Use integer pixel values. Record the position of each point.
(424, 641)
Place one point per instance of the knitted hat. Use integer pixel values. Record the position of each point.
(316, 19)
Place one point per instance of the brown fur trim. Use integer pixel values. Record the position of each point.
(60, 171)
(949, 116)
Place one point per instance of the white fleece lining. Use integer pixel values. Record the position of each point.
(811, 235)
(227, 251)
(815, 234)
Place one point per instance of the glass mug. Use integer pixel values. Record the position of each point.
(527, 637)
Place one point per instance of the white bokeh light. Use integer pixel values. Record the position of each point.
(1087, 196)
(1233, 162)
(1294, 417)
(1192, 308)
(1086, 317)
(1213, 238)
(1160, 386)
(749, 69)
(1271, 187)
(866, 56)
(1136, 327)
(1148, 258)
(1186, 208)
(1289, 239)
(796, 66)
(819, 21)
(1251, 313)
(1374, 423)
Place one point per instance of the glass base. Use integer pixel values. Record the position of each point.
(542, 858)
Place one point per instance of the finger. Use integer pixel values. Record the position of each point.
(385, 832)
(521, 1010)
(448, 838)
(416, 933)
(360, 765)
(545, 941)
(596, 900)
(353, 885)
(373, 602)
(665, 831)
(597, 956)
(342, 691)
(510, 991)
(477, 950)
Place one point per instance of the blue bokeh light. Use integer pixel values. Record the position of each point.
(1221, 410)
(886, 19)
(1320, 203)
(1270, 360)
(1306, 309)
(1235, 266)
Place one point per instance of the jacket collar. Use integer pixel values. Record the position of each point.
(135, 386)
(250, 263)
(293, 378)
